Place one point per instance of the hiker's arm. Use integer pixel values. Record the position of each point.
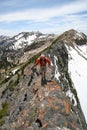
(37, 62)
(48, 61)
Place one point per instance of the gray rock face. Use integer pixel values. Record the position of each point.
(39, 107)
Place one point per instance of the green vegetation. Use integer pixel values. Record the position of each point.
(60, 61)
(57, 39)
(3, 112)
(4, 64)
(34, 111)
(13, 84)
(2, 122)
(69, 79)
(5, 80)
(78, 121)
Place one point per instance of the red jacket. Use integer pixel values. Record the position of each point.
(42, 63)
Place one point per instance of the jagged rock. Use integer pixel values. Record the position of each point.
(48, 109)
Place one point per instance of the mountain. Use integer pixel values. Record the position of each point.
(58, 104)
(3, 39)
(12, 49)
(22, 39)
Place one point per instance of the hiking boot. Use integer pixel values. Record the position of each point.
(42, 81)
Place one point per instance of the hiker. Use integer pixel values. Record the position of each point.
(43, 61)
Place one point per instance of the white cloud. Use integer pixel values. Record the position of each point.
(44, 14)
(47, 20)
(7, 32)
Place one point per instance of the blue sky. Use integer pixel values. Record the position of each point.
(46, 16)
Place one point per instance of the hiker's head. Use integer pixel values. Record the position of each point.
(42, 56)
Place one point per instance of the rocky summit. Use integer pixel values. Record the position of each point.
(28, 104)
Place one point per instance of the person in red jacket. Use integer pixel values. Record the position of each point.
(43, 61)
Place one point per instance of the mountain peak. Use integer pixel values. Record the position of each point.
(72, 31)
(72, 36)
(3, 38)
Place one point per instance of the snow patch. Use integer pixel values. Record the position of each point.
(71, 96)
(19, 36)
(43, 36)
(21, 41)
(14, 71)
(56, 68)
(82, 50)
(79, 36)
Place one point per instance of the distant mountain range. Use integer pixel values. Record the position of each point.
(22, 39)
(11, 49)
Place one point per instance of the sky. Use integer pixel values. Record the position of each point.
(46, 16)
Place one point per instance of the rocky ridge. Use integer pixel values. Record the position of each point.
(37, 107)
(29, 105)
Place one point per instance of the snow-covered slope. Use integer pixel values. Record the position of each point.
(27, 38)
(77, 67)
(3, 39)
(21, 41)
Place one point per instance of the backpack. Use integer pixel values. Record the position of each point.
(42, 61)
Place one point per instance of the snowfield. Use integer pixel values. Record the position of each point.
(21, 41)
(77, 68)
